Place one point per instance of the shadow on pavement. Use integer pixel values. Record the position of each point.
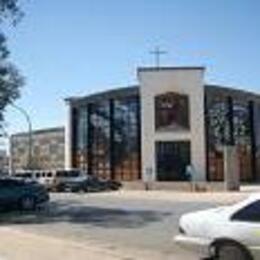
(89, 215)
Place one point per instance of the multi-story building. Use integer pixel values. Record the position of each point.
(171, 120)
(47, 149)
(4, 162)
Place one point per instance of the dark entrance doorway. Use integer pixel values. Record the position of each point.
(172, 159)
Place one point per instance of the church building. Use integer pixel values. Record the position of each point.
(171, 120)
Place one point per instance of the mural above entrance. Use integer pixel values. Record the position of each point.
(172, 112)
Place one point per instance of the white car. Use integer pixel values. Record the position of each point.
(224, 233)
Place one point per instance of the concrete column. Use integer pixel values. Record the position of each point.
(68, 139)
(231, 169)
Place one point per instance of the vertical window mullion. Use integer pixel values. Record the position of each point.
(112, 138)
(90, 139)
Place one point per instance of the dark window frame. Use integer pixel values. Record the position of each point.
(166, 168)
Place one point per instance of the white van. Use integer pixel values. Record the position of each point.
(46, 178)
(24, 174)
(53, 180)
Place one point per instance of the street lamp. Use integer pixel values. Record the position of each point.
(5, 135)
(28, 120)
(10, 160)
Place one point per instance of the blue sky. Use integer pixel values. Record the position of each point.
(67, 48)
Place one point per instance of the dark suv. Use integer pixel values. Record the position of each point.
(19, 194)
(91, 184)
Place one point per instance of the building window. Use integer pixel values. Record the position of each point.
(218, 134)
(242, 139)
(80, 137)
(172, 159)
(126, 139)
(107, 138)
(257, 139)
(100, 143)
(220, 116)
(172, 112)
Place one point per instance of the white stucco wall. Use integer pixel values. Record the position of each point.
(189, 81)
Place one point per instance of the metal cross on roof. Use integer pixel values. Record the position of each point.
(157, 54)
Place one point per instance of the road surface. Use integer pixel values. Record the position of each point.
(124, 225)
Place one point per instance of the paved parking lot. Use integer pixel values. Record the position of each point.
(130, 225)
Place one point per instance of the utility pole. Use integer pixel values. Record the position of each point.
(3, 149)
(157, 52)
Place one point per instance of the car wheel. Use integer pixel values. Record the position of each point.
(59, 188)
(85, 189)
(28, 203)
(232, 251)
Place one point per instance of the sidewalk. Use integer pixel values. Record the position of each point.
(16, 244)
(19, 245)
(217, 197)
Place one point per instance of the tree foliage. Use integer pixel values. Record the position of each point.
(10, 10)
(10, 79)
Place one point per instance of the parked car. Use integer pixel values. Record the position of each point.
(20, 194)
(95, 184)
(70, 180)
(224, 233)
(88, 183)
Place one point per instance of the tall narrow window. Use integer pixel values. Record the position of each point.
(126, 142)
(257, 136)
(80, 136)
(100, 125)
(242, 138)
(218, 134)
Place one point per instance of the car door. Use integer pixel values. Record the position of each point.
(8, 192)
(3, 194)
(246, 227)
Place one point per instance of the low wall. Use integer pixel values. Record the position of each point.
(175, 186)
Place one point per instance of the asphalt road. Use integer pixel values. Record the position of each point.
(134, 228)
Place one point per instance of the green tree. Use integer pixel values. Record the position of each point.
(10, 79)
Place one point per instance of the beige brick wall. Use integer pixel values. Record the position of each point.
(48, 149)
